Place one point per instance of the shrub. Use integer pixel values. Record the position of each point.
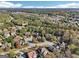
(12, 54)
(72, 46)
(76, 51)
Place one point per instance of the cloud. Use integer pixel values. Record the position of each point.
(4, 4)
(69, 5)
(34, 7)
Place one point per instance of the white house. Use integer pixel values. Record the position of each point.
(27, 39)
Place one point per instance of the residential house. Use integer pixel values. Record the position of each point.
(5, 46)
(13, 31)
(63, 45)
(9, 45)
(28, 37)
(18, 27)
(77, 17)
(17, 41)
(50, 48)
(4, 56)
(17, 45)
(0, 44)
(68, 53)
(6, 33)
(17, 38)
(44, 51)
(41, 52)
(32, 54)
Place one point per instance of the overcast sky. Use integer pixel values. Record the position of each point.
(39, 4)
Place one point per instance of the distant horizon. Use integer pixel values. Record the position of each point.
(39, 8)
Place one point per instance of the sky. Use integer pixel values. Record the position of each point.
(39, 4)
